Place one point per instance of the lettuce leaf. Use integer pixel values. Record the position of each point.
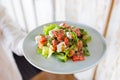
(50, 27)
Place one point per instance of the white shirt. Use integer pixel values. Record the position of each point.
(11, 39)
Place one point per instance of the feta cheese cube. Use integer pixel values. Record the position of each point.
(61, 47)
(68, 35)
(37, 38)
(51, 33)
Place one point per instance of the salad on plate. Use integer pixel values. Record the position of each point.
(65, 42)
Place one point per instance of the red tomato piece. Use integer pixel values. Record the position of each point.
(43, 39)
(55, 33)
(54, 42)
(66, 40)
(59, 34)
(59, 38)
(80, 45)
(77, 31)
(63, 24)
(54, 48)
(71, 53)
(40, 45)
(78, 57)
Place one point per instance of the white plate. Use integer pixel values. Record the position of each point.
(96, 47)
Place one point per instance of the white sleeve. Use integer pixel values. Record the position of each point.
(12, 33)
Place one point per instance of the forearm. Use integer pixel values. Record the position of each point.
(12, 33)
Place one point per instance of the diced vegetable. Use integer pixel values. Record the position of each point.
(69, 35)
(78, 58)
(84, 37)
(62, 57)
(50, 27)
(84, 43)
(79, 45)
(42, 38)
(83, 32)
(71, 53)
(61, 47)
(50, 51)
(66, 40)
(77, 31)
(66, 51)
(39, 51)
(86, 52)
(89, 38)
(42, 41)
(37, 38)
(45, 51)
(74, 36)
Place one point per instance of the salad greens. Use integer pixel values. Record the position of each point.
(63, 41)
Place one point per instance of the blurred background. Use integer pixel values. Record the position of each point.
(32, 13)
(102, 15)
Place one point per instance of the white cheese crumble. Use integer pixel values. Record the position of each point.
(68, 35)
(37, 38)
(61, 47)
(51, 33)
